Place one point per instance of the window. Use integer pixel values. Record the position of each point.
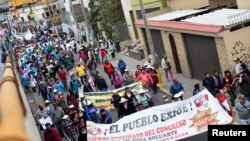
(22, 19)
(43, 15)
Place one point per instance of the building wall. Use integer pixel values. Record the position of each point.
(237, 45)
(182, 53)
(243, 4)
(223, 58)
(186, 4)
(147, 4)
(126, 6)
(218, 3)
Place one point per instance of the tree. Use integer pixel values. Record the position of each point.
(107, 13)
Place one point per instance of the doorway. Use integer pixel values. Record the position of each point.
(175, 54)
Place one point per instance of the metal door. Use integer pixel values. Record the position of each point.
(202, 54)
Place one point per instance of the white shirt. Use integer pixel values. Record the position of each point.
(238, 68)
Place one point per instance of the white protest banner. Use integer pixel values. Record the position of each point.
(167, 122)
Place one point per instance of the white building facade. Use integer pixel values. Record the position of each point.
(127, 9)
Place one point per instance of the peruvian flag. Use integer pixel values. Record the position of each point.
(223, 101)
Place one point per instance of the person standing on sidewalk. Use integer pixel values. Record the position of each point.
(243, 109)
(167, 67)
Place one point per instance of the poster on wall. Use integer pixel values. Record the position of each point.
(167, 122)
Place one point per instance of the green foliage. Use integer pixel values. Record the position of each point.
(107, 13)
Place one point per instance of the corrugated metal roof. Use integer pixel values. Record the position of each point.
(224, 17)
(175, 14)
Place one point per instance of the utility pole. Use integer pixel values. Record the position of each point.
(85, 20)
(149, 37)
(150, 43)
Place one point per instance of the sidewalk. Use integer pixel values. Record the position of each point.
(187, 83)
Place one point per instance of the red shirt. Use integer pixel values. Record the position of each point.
(145, 78)
(62, 74)
(108, 68)
(52, 135)
(137, 73)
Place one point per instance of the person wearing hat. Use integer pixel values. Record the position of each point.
(68, 128)
(51, 133)
(243, 110)
(105, 116)
(43, 91)
(49, 107)
(143, 98)
(91, 111)
(129, 95)
(128, 77)
(125, 108)
(176, 88)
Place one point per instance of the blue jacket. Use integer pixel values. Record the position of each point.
(59, 86)
(176, 88)
(25, 81)
(74, 85)
(108, 118)
(122, 66)
(91, 113)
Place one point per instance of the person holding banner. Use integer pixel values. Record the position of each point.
(105, 116)
(129, 95)
(116, 98)
(125, 108)
(91, 111)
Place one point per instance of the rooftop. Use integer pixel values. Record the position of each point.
(175, 14)
(223, 17)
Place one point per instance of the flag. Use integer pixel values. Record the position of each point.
(223, 102)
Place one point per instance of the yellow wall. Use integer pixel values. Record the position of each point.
(20, 2)
(186, 4)
(147, 4)
(218, 3)
(237, 45)
(243, 4)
